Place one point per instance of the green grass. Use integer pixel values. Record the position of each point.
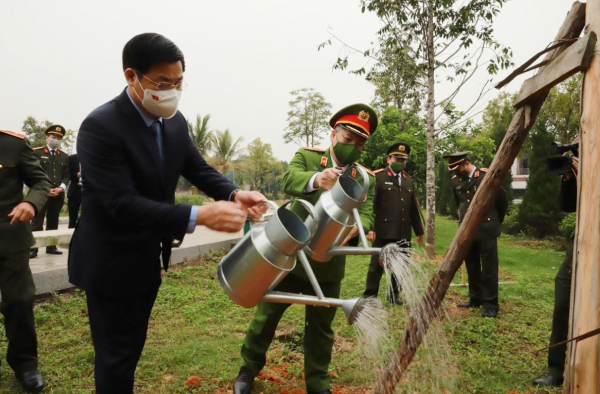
(196, 330)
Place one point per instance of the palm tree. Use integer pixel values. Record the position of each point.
(225, 149)
(202, 137)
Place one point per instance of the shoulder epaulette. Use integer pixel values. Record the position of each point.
(405, 175)
(366, 169)
(378, 171)
(14, 133)
(39, 147)
(313, 149)
(484, 169)
(453, 176)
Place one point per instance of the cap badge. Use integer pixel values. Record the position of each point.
(402, 148)
(363, 115)
(58, 128)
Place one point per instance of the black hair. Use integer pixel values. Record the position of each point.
(145, 50)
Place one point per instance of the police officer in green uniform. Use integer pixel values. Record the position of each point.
(18, 166)
(311, 172)
(56, 165)
(562, 291)
(482, 259)
(396, 212)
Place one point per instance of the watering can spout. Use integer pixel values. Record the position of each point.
(352, 308)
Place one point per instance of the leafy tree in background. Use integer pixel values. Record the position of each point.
(445, 38)
(261, 164)
(201, 135)
(225, 150)
(308, 117)
(36, 134)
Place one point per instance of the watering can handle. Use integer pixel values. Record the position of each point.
(311, 211)
(366, 181)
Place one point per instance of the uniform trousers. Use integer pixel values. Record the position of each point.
(482, 268)
(18, 294)
(318, 334)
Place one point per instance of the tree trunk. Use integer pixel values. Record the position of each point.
(583, 365)
(430, 183)
(422, 317)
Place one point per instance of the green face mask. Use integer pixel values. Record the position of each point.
(346, 153)
(398, 166)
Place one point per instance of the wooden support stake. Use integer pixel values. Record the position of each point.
(482, 201)
(583, 366)
(573, 60)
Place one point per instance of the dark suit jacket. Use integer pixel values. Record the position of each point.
(74, 190)
(128, 195)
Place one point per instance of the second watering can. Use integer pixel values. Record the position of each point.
(265, 255)
(335, 214)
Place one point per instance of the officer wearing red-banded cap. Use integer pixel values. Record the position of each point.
(397, 214)
(55, 163)
(312, 171)
(482, 259)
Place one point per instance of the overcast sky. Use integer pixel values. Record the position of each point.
(61, 59)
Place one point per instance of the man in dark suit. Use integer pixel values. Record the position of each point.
(74, 190)
(397, 213)
(18, 166)
(133, 150)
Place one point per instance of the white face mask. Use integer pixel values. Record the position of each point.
(54, 144)
(160, 103)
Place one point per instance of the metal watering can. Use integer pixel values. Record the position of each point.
(266, 254)
(337, 213)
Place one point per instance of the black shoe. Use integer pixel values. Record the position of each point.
(33, 253)
(243, 382)
(53, 250)
(320, 392)
(395, 299)
(548, 380)
(470, 304)
(490, 311)
(32, 381)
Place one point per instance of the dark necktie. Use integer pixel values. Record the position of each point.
(53, 152)
(157, 129)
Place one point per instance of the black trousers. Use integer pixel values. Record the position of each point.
(119, 327)
(73, 204)
(376, 270)
(51, 211)
(560, 317)
(482, 267)
(18, 293)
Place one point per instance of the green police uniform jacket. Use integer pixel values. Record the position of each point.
(18, 165)
(464, 189)
(396, 207)
(56, 167)
(306, 163)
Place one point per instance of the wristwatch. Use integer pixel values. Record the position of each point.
(233, 193)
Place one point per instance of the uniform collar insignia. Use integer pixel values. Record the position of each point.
(390, 173)
(354, 172)
(46, 150)
(323, 161)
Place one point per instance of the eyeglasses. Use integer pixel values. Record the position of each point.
(163, 86)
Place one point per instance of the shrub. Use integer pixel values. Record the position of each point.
(189, 199)
(567, 225)
(511, 224)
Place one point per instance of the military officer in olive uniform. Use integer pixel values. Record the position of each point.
(311, 172)
(562, 290)
(396, 212)
(56, 165)
(18, 166)
(482, 259)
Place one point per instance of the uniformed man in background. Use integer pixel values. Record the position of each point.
(18, 166)
(397, 213)
(56, 165)
(482, 259)
(311, 172)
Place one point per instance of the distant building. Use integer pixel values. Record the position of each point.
(520, 175)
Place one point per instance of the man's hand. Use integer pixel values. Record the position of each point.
(22, 213)
(326, 179)
(222, 216)
(420, 240)
(249, 201)
(351, 235)
(371, 235)
(575, 165)
(79, 174)
(56, 191)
